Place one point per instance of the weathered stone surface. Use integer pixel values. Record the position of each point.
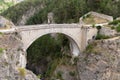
(103, 65)
(13, 57)
(5, 24)
(108, 31)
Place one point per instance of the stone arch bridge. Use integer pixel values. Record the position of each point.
(76, 33)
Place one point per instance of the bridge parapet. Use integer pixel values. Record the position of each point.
(47, 26)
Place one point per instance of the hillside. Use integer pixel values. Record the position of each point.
(65, 11)
(5, 4)
(49, 57)
(20, 13)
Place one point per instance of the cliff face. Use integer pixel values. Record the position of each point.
(101, 61)
(13, 59)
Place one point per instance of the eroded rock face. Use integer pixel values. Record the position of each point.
(103, 63)
(5, 24)
(13, 59)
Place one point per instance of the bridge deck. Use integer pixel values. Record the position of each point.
(46, 26)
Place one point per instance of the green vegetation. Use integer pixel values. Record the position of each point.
(72, 73)
(1, 33)
(4, 5)
(22, 72)
(47, 51)
(89, 48)
(15, 13)
(118, 28)
(65, 11)
(100, 36)
(44, 48)
(69, 11)
(115, 22)
(1, 51)
(112, 27)
(39, 76)
(59, 75)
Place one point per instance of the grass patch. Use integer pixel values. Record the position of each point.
(22, 72)
(91, 19)
(91, 48)
(1, 50)
(1, 33)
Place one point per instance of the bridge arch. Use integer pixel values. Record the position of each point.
(73, 43)
(71, 31)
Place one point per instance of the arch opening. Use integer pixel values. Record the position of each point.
(45, 53)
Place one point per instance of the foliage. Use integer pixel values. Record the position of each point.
(47, 47)
(115, 22)
(16, 12)
(72, 73)
(76, 59)
(100, 36)
(1, 51)
(65, 11)
(112, 27)
(4, 5)
(1, 33)
(22, 72)
(39, 76)
(59, 75)
(98, 27)
(89, 48)
(118, 28)
(51, 68)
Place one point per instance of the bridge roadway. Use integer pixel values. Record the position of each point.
(46, 26)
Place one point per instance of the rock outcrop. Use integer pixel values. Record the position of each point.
(5, 24)
(101, 62)
(13, 59)
(28, 14)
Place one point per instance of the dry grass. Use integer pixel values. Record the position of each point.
(94, 20)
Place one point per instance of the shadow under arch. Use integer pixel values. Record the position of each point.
(75, 49)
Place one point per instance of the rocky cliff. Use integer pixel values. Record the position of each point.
(13, 59)
(101, 61)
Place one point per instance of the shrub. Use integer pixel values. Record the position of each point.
(22, 72)
(118, 28)
(76, 59)
(93, 25)
(1, 33)
(112, 27)
(16, 12)
(100, 36)
(1, 50)
(72, 73)
(115, 22)
(59, 74)
(89, 48)
(39, 76)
